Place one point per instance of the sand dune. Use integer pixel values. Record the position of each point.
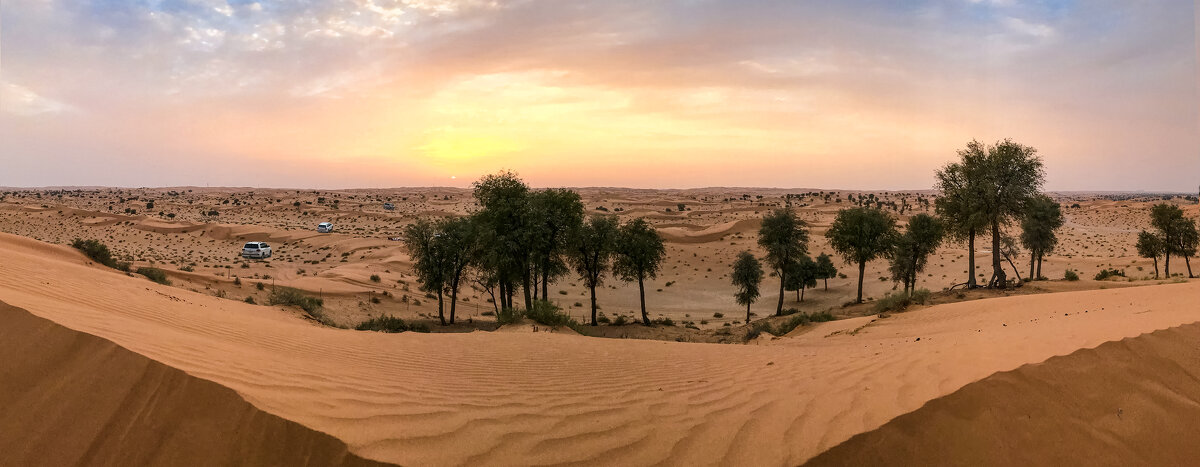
(1130, 402)
(70, 398)
(549, 398)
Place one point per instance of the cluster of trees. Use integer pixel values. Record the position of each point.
(1173, 235)
(986, 191)
(524, 240)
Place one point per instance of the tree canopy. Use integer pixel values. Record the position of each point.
(639, 255)
(785, 238)
(861, 235)
(746, 276)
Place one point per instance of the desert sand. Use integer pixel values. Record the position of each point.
(200, 252)
(522, 398)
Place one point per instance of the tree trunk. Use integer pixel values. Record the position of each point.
(642, 297)
(779, 308)
(1188, 260)
(1016, 273)
(536, 289)
(441, 315)
(1032, 269)
(826, 283)
(862, 269)
(747, 313)
(453, 303)
(546, 281)
(997, 269)
(1039, 269)
(802, 292)
(593, 289)
(971, 260)
(1167, 264)
(528, 295)
(1156, 267)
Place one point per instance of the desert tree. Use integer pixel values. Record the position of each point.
(785, 238)
(590, 252)
(1166, 218)
(504, 227)
(1187, 239)
(458, 243)
(911, 250)
(958, 206)
(747, 275)
(553, 215)
(802, 274)
(861, 235)
(825, 269)
(1150, 246)
(1011, 175)
(1043, 217)
(639, 254)
(429, 260)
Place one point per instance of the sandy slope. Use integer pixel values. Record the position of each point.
(541, 398)
(70, 398)
(1130, 402)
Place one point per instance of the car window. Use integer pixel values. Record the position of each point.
(251, 246)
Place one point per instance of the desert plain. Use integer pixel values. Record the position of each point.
(1102, 369)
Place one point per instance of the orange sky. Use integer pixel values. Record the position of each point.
(367, 93)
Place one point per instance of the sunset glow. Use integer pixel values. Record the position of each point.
(377, 93)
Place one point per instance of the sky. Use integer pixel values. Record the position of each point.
(654, 94)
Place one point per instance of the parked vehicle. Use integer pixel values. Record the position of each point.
(389, 206)
(256, 250)
(325, 227)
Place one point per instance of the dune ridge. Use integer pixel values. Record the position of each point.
(71, 398)
(1130, 402)
(549, 398)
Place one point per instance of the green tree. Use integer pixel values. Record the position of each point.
(802, 274)
(1166, 218)
(911, 250)
(1043, 217)
(746, 277)
(591, 249)
(958, 205)
(504, 227)
(429, 260)
(785, 238)
(1186, 241)
(1011, 175)
(553, 215)
(1150, 246)
(458, 243)
(825, 269)
(861, 235)
(639, 256)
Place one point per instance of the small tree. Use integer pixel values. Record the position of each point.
(457, 241)
(639, 255)
(911, 251)
(1166, 218)
(746, 277)
(1042, 218)
(785, 238)
(1150, 246)
(1188, 240)
(802, 274)
(825, 269)
(429, 260)
(861, 235)
(591, 248)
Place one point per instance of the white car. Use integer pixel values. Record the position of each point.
(325, 227)
(256, 250)
(389, 206)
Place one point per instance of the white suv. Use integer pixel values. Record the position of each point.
(325, 227)
(256, 250)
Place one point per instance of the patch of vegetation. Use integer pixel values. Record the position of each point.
(509, 316)
(803, 319)
(899, 302)
(390, 324)
(287, 296)
(545, 312)
(375, 278)
(154, 274)
(1104, 274)
(1071, 275)
(99, 253)
(664, 321)
(250, 300)
(757, 330)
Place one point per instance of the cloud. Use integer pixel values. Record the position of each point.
(22, 101)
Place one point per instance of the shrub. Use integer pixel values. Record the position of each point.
(545, 312)
(1107, 273)
(508, 316)
(259, 286)
(603, 319)
(663, 321)
(757, 330)
(898, 302)
(375, 278)
(802, 319)
(154, 274)
(718, 315)
(621, 320)
(390, 324)
(99, 253)
(1071, 275)
(249, 299)
(288, 296)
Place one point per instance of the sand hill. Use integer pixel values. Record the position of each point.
(550, 398)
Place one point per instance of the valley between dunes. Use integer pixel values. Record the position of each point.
(499, 398)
